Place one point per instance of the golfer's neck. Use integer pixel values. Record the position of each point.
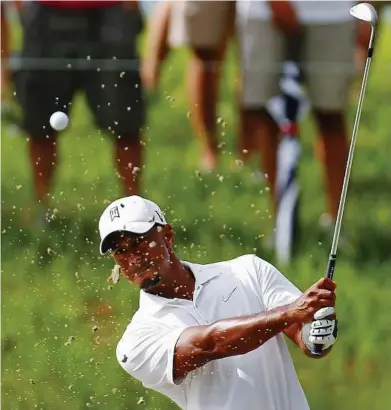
(179, 284)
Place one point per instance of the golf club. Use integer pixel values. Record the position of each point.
(365, 12)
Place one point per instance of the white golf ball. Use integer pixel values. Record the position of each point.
(59, 121)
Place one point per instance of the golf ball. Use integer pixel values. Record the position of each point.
(59, 121)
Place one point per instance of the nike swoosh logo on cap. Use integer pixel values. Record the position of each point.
(160, 217)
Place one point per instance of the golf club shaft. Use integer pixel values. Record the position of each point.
(334, 246)
(338, 222)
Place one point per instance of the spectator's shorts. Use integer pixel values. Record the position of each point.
(200, 24)
(327, 56)
(94, 51)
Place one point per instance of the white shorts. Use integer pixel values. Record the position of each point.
(200, 23)
(327, 56)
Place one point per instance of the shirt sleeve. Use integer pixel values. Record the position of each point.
(146, 352)
(276, 289)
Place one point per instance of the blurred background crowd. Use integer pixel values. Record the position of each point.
(117, 63)
(91, 46)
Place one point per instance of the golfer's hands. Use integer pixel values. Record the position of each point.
(318, 296)
(323, 330)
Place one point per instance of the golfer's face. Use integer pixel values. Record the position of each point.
(141, 257)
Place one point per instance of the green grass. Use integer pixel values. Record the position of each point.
(47, 298)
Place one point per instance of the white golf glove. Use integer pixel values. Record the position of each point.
(321, 331)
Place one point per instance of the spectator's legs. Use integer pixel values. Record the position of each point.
(4, 52)
(335, 150)
(331, 49)
(203, 86)
(260, 68)
(264, 137)
(41, 94)
(128, 157)
(267, 134)
(156, 48)
(248, 142)
(205, 27)
(43, 159)
(119, 107)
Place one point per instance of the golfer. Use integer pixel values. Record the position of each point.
(211, 337)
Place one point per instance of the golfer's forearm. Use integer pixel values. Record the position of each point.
(236, 336)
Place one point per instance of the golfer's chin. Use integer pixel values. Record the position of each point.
(150, 282)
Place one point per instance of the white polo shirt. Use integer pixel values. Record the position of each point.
(264, 379)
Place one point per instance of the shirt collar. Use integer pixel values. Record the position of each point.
(152, 303)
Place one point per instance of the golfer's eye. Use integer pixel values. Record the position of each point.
(120, 251)
(139, 241)
(134, 245)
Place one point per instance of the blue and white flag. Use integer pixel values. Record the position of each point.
(288, 109)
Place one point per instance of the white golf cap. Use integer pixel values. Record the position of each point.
(132, 214)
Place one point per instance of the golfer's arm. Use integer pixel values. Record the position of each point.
(199, 345)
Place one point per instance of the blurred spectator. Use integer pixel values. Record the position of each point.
(327, 37)
(5, 49)
(261, 27)
(205, 27)
(363, 37)
(8, 107)
(4, 52)
(88, 31)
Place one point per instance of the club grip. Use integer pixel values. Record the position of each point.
(318, 349)
(331, 266)
(329, 274)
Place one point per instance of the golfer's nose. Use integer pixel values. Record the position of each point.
(135, 259)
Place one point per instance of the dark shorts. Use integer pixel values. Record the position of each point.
(92, 51)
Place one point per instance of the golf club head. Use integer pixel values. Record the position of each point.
(365, 12)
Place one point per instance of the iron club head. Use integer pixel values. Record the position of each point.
(365, 12)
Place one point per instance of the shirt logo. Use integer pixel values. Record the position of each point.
(114, 213)
(226, 298)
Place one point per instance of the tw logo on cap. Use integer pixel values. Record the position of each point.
(114, 213)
